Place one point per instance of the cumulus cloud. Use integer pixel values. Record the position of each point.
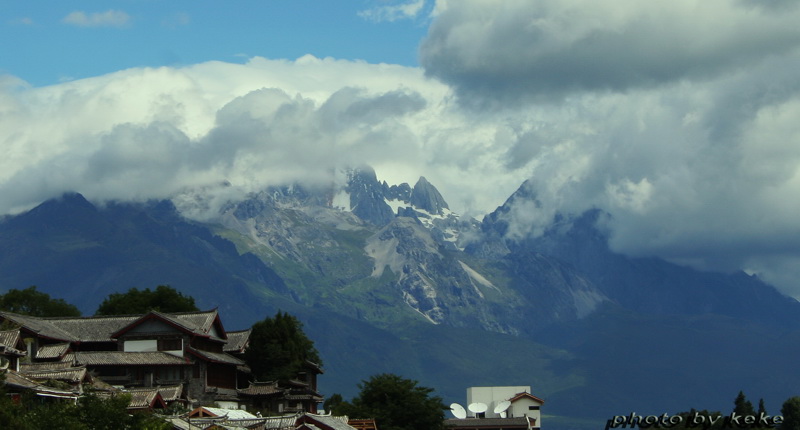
(698, 162)
(109, 18)
(408, 10)
(178, 19)
(518, 50)
(266, 122)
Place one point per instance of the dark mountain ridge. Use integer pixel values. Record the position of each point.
(421, 292)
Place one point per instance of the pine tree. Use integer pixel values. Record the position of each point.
(742, 406)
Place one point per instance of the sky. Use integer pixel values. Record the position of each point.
(676, 117)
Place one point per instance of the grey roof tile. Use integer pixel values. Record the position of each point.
(73, 374)
(56, 350)
(114, 358)
(219, 357)
(237, 340)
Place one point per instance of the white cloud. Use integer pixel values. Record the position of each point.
(25, 21)
(178, 19)
(518, 50)
(697, 163)
(109, 18)
(408, 10)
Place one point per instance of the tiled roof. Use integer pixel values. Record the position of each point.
(56, 350)
(477, 423)
(9, 340)
(142, 399)
(334, 422)
(200, 323)
(182, 424)
(261, 389)
(41, 326)
(219, 357)
(313, 366)
(304, 396)
(168, 393)
(15, 380)
(112, 358)
(296, 383)
(219, 412)
(237, 340)
(286, 422)
(525, 395)
(9, 337)
(93, 329)
(74, 374)
(101, 328)
(47, 365)
(280, 422)
(171, 393)
(73, 329)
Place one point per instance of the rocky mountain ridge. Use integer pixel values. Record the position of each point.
(387, 281)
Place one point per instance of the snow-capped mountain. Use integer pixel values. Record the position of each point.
(388, 279)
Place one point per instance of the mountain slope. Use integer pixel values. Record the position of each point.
(594, 332)
(75, 251)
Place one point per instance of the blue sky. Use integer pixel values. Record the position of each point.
(48, 42)
(677, 118)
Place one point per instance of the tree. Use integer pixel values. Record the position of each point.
(396, 404)
(791, 414)
(135, 301)
(742, 406)
(91, 412)
(9, 411)
(279, 348)
(334, 403)
(35, 303)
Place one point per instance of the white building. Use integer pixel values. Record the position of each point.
(499, 407)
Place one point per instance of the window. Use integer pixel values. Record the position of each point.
(171, 373)
(170, 345)
(533, 408)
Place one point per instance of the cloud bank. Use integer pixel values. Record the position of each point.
(674, 117)
(682, 127)
(408, 10)
(517, 50)
(109, 18)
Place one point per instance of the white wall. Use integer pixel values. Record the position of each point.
(492, 396)
(521, 408)
(146, 345)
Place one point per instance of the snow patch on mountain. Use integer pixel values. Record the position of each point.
(341, 201)
(477, 277)
(586, 301)
(384, 253)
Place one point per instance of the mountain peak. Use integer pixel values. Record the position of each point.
(366, 196)
(426, 196)
(70, 202)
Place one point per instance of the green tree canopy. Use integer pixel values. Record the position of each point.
(791, 414)
(163, 299)
(89, 413)
(35, 303)
(396, 404)
(742, 406)
(279, 348)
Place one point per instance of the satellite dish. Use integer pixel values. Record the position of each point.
(502, 407)
(503, 414)
(458, 411)
(478, 407)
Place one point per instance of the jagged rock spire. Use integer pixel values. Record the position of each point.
(426, 196)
